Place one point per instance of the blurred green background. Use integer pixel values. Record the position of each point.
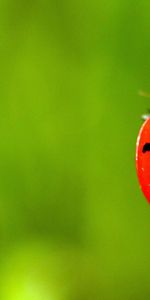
(74, 224)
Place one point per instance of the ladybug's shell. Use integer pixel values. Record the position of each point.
(143, 158)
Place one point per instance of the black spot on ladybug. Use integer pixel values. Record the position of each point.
(146, 148)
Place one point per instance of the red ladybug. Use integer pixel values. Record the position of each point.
(143, 157)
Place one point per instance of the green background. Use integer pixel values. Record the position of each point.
(74, 224)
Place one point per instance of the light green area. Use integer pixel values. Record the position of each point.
(74, 224)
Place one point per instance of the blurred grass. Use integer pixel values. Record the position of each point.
(73, 222)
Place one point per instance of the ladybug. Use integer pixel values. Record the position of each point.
(143, 157)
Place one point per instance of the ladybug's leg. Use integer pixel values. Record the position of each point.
(145, 117)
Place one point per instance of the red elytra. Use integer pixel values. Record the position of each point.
(143, 158)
